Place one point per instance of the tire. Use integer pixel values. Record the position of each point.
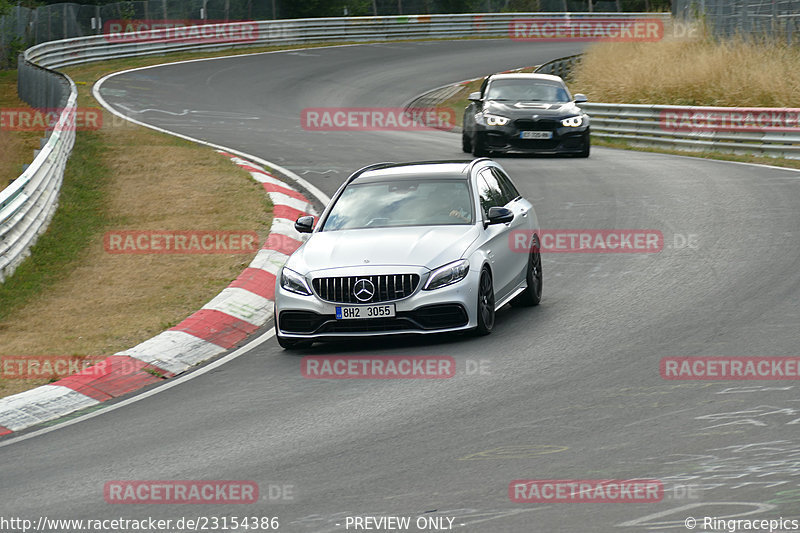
(587, 145)
(289, 344)
(485, 304)
(532, 294)
(478, 149)
(466, 144)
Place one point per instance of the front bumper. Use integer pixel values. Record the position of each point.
(447, 309)
(506, 139)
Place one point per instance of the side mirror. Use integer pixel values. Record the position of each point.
(304, 224)
(580, 98)
(475, 97)
(500, 215)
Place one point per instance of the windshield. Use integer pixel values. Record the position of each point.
(402, 203)
(519, 90)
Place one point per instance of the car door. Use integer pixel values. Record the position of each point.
(504, 261)
(523, 221)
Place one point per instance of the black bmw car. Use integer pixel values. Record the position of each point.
(525, 113)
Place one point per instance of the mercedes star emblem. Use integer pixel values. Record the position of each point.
(364, 290)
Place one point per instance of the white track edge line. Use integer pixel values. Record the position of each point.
(168, 384)
(321, 196)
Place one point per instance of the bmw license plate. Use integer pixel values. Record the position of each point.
(345, 312)
(536, 135)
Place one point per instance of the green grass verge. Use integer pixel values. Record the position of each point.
(80, 217)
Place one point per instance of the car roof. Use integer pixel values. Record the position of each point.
(525, 76)
(414, 170)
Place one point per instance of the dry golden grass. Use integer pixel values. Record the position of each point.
(113, 301)
(16, 147)
(109, 302)
(691, 72)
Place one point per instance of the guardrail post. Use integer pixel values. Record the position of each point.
(28, 204)
(43, 88)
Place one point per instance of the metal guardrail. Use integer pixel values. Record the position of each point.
(303, 31)
(651, 125)
(27, 205)
(559, 67)
(769, 131)
(693, 128)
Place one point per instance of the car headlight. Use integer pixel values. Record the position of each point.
(294, 282)
(572, 122)
(485, 119)
(447, 275)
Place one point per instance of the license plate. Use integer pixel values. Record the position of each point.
(536, 135)
(345, 312)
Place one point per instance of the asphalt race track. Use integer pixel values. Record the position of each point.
(569, 390)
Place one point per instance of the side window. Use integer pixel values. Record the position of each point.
(510, 192)
(491, 195)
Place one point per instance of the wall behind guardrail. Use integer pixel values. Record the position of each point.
(27, 205)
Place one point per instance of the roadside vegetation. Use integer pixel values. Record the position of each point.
(71, 298)
(682, 72)
(16, 147)
(705, 72)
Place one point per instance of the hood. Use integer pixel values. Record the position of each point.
(424, 246)
(528, 109)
